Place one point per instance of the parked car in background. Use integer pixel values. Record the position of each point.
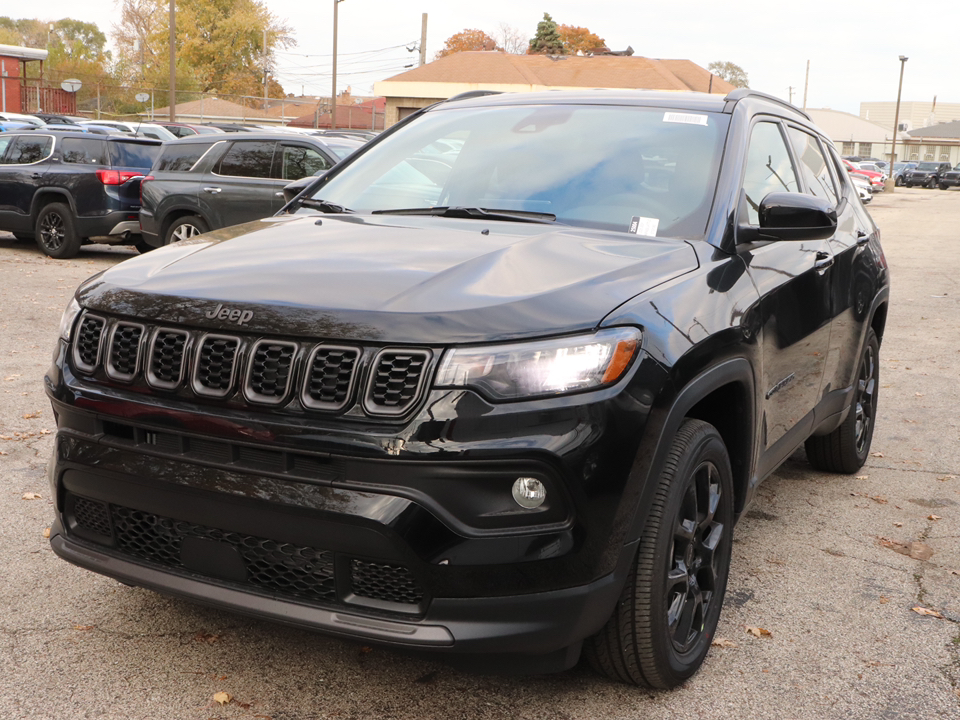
(204, 182)
(148, 130)
(50, 119)
(926, 174)
(231, 127)
(873, 167)
(20, 118)
(862, 184)
(188, 129)
(10, 125)
(876, 179)
(951, 178)
(898, 170)
(508, 412)
(63, 189)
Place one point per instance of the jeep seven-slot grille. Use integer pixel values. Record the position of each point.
(287, 569)
(315, 376)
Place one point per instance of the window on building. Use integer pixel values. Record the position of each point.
(866, 149)
(849, 148)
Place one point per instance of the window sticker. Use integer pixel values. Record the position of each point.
(685, 118)
(644, 226)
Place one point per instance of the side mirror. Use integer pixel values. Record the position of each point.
(297, 186)
(793, 216)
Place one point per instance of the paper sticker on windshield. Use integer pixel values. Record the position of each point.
(685, 118)
(644, 226)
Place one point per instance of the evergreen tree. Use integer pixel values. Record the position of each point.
(547, 40)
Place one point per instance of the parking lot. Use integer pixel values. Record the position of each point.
(843, 602)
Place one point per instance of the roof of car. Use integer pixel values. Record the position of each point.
(62, 133)
(262, 135)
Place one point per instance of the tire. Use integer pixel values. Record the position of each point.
(898, 182)
(909, 185)
(142, 246)
(931, 183)
(845, 450)
(56, 233)
(651, 638)
(184, 228)
(943, 186)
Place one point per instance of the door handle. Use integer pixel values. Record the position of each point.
(279, 193)
(212, 190)
(862, 238)
(824, 261)
(37, 176)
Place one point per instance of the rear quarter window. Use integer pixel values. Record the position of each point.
(180, 157)
(83, 151)
(26, 150)
(134, 155)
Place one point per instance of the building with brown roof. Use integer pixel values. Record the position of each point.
(502, 72)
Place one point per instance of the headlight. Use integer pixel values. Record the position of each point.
(543, 367)
(68, 318)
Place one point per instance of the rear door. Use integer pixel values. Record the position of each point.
(241, 186)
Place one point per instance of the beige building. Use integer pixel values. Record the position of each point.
(913, 115)
(503, 72)
(853, 135)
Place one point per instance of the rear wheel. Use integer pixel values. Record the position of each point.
(943, 186)
(845, 450)
(185, 228)
(56, 235)
(661, 629)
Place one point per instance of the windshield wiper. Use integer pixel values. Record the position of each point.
(324, 206)
(477, 213)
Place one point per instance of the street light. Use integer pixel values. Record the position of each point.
(891, 181)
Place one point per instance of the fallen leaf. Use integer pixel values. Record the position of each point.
(31, 496)
(364, 650)
(206, 637)
(916, 550)
(926, 611)
(4, 452)
(10, 377)
(933, 517)
(84, 627)
(877, 454)
(942, 478)
(898, 524)
(30, 416)
(759, 632)
(46, 533)
(919, 394)
(723, 643)
(884, 600)
(222, 698)
(862, 477)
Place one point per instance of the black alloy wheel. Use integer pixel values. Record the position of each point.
(662, 627)
(55, 234)
(845, 449)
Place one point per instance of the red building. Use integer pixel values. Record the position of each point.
(23, 92)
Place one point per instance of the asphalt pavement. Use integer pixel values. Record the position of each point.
(855, 578)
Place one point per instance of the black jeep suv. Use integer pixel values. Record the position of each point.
(926, 174)
(507, 403)
(65, 188)
(950, 178)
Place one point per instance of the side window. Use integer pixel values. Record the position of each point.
(838, 171)
(27, 150)
(82, 151)
(299, 161)
(813, 166)
(248, 158)
(4, 144)
(768, 168)
(177, 157)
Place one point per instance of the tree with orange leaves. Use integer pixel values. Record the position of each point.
(467, 40)
(579, 39)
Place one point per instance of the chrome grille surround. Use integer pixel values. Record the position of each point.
(124, 349)
(270, 371)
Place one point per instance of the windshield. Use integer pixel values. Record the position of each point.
(928, 166)
(598, 166)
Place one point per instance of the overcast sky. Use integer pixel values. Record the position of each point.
(853, 47)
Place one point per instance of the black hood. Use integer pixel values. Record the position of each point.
(391, 279)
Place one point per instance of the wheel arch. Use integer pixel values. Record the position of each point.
(45, 196)
(724, 396)
(175, 214)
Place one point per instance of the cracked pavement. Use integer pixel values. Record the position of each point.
(831, 565)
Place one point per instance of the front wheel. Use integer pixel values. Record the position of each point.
(185, 228)
(661, 629)
(943, 186)
(845, 450)
(56, 235)
(898, 182)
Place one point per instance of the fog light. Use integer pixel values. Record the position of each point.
(529, 492)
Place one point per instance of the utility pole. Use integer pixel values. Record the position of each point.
(264, 69)
(790, 90)
(423, 39)
(806, 85)
(891, 180)
(333, 94)
(173, 64)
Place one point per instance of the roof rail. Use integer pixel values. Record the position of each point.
(740, 93)
(472, 94)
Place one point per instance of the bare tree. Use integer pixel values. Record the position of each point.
(510, 39)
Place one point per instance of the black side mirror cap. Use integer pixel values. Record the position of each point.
(297, 186)
(794, 216)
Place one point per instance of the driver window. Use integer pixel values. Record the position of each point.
(813, 166)
(768, 168)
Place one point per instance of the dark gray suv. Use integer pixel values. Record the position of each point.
(206, 182)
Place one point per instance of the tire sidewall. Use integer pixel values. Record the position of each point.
(708, 446)
(193, 220)
(71, 241)
(874, 343)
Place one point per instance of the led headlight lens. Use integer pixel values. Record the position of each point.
(68, 318)
(543, 367)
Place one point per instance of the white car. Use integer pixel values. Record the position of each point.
(863, 187)
(18, 117)
(150, 130)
